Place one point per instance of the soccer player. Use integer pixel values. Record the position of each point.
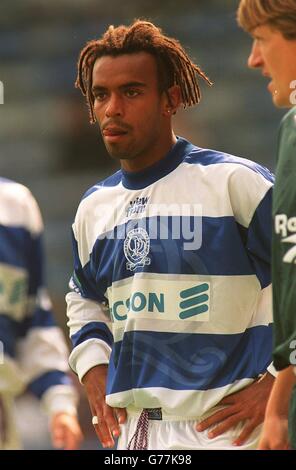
(272, 25)
(33, 352)
(169, 312)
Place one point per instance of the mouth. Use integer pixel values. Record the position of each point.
(270, 85)
(114, 134)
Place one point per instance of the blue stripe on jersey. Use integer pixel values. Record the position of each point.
(222, 252)
(98, 330)
(207, 157)
(35, 264)
(40, 319)
(180, 361)
(259, 239)
(83, 279)
(11, 330)
(15, 243)
(49, 379)
(8, 334)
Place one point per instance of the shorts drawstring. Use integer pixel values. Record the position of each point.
(140, 436)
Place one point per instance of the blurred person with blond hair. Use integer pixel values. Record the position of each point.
(272, 24)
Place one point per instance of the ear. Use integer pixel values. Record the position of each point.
(173, 100)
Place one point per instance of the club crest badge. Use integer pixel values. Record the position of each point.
(136, 248)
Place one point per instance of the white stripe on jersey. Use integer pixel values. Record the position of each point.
(166, 288)
(189, 403)
(92, 311)
(43, 349)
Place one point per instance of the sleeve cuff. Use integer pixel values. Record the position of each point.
(87, 355)
(60, 399)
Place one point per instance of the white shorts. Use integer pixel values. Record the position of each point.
(178, 433)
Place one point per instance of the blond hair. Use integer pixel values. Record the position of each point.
(279, 14)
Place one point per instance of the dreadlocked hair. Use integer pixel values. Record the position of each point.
(173, 64)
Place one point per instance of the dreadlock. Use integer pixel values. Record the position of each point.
(173, 64)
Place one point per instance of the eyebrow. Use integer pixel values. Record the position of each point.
(125, 85)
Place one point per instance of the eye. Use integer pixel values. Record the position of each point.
(100, 95)
(131, 93)
(259, 39)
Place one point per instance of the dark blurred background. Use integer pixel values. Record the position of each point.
(46, 141)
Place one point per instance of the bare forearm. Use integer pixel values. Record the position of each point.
(275, 429)
(278, 403)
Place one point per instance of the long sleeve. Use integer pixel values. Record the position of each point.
(256, 231)
(88, 313)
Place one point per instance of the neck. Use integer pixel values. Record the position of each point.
(147, 158)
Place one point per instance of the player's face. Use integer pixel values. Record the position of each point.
(129, 108)
(276, 56)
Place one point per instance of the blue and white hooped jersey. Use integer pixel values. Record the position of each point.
(171, 284)
(33, 351)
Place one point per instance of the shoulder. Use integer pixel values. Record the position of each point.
(13, 192)
(227, 164)
(18, 206)
(238, 181)
(110, 182)
(98, 195)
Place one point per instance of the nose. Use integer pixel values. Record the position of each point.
(114, 106)
(255, 57)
